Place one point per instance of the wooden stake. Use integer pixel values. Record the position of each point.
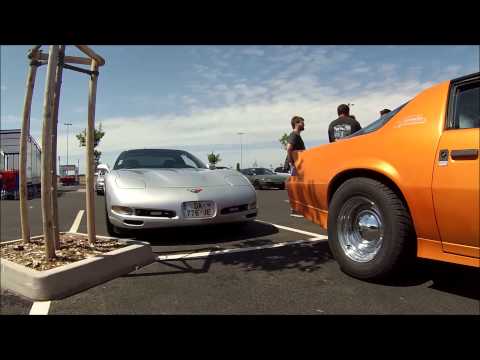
(70, 59)
(46, 182)
(89, 52)
(58, 85)
(90, 196)
(27, 107)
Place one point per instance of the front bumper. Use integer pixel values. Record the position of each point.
(143, 222)
(171, 200)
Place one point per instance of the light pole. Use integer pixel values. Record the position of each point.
(67, 125)
(241, 149)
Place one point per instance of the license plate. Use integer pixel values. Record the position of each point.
(199, 209)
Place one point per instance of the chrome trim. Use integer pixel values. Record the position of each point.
(360, 229)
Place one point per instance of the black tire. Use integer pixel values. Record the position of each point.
(257, 185)
(398, 245)
(282, 187)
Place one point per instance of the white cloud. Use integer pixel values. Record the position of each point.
(262, 112)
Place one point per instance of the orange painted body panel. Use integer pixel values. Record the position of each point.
(404, 150)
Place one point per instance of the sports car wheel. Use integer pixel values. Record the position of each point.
(369, 229)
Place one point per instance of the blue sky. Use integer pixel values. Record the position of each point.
(198, 98)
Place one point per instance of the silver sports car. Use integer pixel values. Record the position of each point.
(154, 188)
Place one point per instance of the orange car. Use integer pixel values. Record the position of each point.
(406, 184)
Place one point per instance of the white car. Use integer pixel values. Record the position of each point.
(155, 188)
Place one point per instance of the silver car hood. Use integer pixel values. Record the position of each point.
(177, 178)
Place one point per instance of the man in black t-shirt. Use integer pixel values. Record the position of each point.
(294, 142)
(344, 126)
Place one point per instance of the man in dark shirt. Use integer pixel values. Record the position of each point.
(344, 126)
(294, 142)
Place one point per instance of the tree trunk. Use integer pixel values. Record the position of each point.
(48, 104)
(27, 107)
(90, 196)
(58, 85)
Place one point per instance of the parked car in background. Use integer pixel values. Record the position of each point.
(156, 188)
(102, 170)
(264, 178)
(281, 170)
(406, 184)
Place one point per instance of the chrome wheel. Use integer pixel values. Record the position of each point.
(360, 229)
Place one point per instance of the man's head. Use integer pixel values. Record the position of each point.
(384, 111)
(298, 123)
(343, 109)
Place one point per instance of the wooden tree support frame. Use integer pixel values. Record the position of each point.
(55, 61)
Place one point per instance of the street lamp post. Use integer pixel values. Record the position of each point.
(67, 125)
(241, 148)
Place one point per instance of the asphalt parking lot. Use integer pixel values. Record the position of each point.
(284, 267)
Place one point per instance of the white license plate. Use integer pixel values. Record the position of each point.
(199, 209)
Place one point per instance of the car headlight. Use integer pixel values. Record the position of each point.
(252, 205)
(122, 210)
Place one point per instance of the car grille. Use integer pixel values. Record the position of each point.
(234, 209)
(155, 213)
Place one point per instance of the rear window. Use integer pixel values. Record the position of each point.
(377, 124)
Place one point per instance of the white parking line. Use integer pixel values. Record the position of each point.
(76, 222)
(40, 308)
(291, 229)
(202, 254)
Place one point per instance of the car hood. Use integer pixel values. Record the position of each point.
(177, 178)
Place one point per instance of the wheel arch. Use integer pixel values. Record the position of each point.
(340, 178)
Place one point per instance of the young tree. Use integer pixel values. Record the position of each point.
(213, 158)
(98, 135)
(284, 140)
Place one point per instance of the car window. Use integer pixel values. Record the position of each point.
(467, 107)
(377, 124)
(157, 159)
(188, 161)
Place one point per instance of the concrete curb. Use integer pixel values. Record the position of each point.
(72, 278)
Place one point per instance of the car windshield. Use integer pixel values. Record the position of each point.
(377, 124)
(261, 171)
(157, 159)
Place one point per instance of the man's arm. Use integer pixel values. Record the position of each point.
(290, 154)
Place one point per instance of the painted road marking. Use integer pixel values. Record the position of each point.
(292, 229)
(202, 254)
(76, 222)
(40, 308)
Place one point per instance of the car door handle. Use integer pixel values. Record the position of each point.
(464, 154)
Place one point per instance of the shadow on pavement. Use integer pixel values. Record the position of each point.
(225, 233)
(451, 278)
(306, 257)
